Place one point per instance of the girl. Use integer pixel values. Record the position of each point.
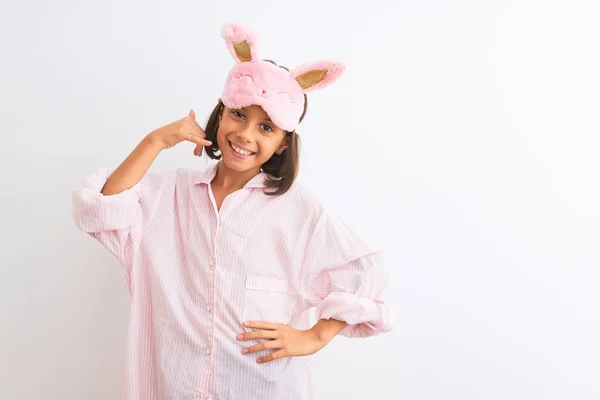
(225, 265)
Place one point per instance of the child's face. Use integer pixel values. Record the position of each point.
(247, 138)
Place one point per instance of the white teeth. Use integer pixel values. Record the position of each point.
(240, 151)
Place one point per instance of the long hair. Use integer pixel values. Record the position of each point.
(282, 169)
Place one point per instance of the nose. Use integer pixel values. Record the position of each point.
(245, 134)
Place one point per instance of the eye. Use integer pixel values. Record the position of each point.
(267, 128)
(237, 114)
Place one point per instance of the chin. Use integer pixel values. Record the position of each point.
(233, 165)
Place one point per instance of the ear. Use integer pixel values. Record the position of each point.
(241, 42)
(283, 145)
(317, 75)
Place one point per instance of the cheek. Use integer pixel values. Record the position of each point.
(268, 145)
(221, 133)
(269, 148)
(226, 127)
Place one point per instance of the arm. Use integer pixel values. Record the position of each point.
(134, 167)
(345, 279)
(326, 329)
(116, 207)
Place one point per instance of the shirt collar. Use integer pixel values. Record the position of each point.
(207, 175)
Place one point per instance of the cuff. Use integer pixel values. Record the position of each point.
(364, 316)
(95, 212)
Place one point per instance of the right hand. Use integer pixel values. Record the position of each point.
(185, 129)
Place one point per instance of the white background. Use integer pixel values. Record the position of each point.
(464, 137)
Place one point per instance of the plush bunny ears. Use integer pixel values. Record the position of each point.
(243, 45)
(278, 91)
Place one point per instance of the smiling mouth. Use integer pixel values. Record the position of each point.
(240, 151)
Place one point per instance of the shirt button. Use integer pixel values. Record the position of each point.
(207, 351)
(212, 264)
(208, 309)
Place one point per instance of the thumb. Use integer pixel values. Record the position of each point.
(192, 115)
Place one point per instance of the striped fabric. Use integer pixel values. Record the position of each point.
(195, 275)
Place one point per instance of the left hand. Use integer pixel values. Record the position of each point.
(286, 340)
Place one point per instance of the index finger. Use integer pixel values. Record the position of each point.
(262, 325)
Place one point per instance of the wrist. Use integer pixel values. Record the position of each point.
(326, 329)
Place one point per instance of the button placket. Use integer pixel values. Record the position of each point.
(211, 266)
(209, 304)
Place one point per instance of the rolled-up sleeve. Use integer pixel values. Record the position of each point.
(117, 221)
(346, 279)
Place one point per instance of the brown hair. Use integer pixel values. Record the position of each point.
(281, 168)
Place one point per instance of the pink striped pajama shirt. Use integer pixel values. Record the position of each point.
(195, 274)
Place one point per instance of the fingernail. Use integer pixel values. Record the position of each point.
(259, 361)
(246, 323)
(240, 336)
(244, 351)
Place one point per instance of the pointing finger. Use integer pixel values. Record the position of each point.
(198, 140)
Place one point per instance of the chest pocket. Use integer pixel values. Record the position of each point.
(267, 299)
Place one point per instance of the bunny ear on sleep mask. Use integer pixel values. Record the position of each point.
(252, 81)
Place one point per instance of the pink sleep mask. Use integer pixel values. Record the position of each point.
(279, 92)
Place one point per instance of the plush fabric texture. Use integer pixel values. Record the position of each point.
(253, 81)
